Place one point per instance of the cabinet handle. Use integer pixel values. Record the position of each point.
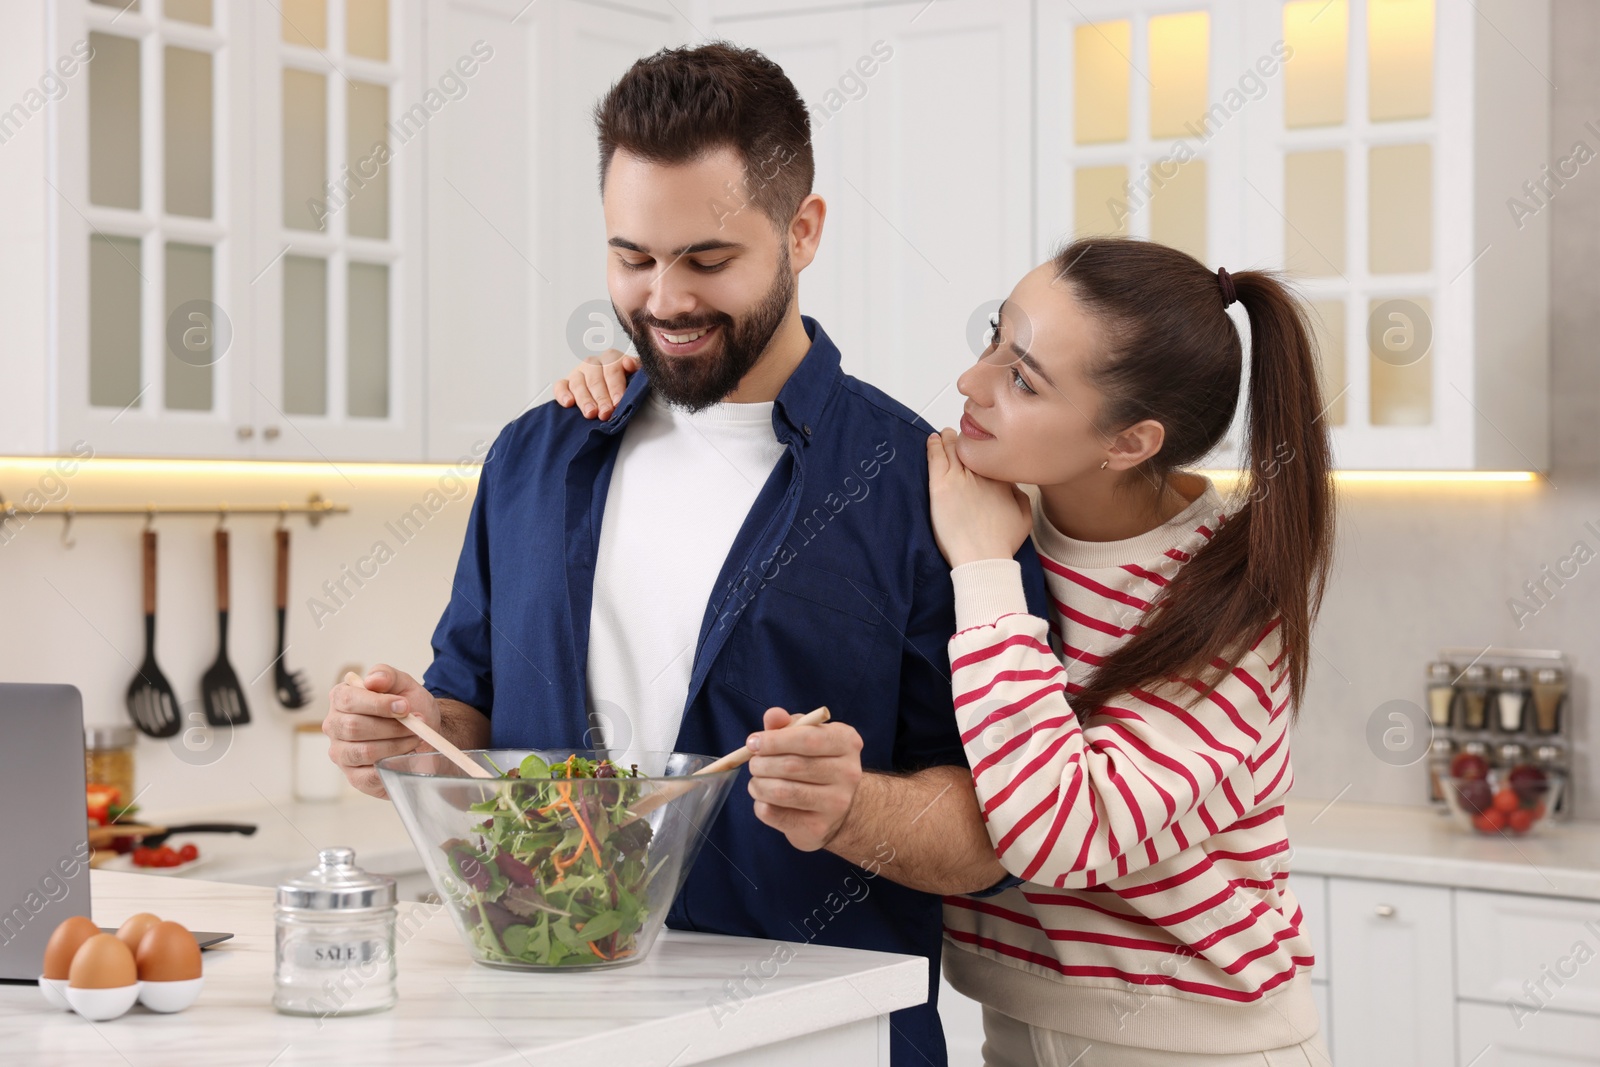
(246, 432)
(1385, 911)
(270, 433)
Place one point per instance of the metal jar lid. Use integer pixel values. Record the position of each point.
(1441, 673)
(1549, 676)
(1475, 674)
(1512, 676)
(101, 738)
(337, 884)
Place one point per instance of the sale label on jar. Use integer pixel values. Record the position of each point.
(334, 955)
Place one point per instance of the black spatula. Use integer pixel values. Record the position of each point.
(220, 688)
(151, 704)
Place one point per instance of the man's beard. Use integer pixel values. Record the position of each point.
(694, 383)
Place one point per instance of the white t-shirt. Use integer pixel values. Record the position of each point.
(679, 493)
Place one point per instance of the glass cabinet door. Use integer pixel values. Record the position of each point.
(1140, 135)
(236, 193)
(149, 224)
(1357, 131)
(345, 363)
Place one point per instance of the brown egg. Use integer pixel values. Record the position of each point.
(64, 944)
(168, 953)
(132, 932)
(102, 962)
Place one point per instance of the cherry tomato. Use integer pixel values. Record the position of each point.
(189, 852)
(1507, 800)
(1521, 820)
(1482, 824)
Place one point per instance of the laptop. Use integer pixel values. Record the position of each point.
(45, 876)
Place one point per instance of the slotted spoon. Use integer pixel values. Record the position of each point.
(151, 705)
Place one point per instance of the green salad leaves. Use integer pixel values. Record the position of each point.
(556, 875)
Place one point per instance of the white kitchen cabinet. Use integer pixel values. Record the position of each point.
(1490, 1037)
(1396, 212)
(1523, 954)
(230, 261)
(1391, 1000)
(1311, 890)
(1387, 180)
(516, 250)
(337, 268)
(929, 211)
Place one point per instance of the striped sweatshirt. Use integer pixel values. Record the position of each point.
(1155, 909)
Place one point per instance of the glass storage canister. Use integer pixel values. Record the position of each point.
(1474, 690)
(108, 758)
(1511, 699)
(1441, 692)
(335, 945)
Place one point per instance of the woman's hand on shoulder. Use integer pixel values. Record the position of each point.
(974, 517)
(596, 385)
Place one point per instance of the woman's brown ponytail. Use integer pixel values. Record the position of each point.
(1176, 357)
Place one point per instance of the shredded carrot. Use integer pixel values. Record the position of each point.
(596, 950)
(585, 828)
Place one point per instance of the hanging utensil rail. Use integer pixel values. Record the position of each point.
(314, 509)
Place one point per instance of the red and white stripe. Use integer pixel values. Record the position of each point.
(1150, 831)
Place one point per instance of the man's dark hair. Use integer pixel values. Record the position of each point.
(680, 103)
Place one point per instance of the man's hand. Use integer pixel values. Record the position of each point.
(363, 724)
(804, 779)
(596, 385)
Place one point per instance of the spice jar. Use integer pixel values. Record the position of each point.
(1549, 690)
(335, 946)
(108, 758)
(1441, 692)
(1474, 689)
(1511, 699)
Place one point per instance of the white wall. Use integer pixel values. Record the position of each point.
(75, 614)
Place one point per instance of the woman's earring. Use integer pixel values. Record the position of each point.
(1104, 463)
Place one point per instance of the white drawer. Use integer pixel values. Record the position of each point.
(1537, 951)
(1311, 890)
(1487, 1036)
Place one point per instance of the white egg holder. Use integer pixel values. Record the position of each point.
(102, 1005)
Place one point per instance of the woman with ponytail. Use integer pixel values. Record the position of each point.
(1130, 754)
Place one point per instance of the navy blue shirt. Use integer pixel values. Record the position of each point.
(833, 593)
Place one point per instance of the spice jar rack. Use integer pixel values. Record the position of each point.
(1509, 705)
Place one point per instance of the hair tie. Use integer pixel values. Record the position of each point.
(1229, 293)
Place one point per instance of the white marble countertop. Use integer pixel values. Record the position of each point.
(451, 1010)
(288, 836)
(1417, 844)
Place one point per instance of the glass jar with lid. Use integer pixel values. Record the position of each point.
(108, 758)
(335, 943)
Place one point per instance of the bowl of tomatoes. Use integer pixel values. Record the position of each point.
(1508, 801)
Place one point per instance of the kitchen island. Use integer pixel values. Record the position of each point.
(696, 999)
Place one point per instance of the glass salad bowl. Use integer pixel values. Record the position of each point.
(563, 862)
